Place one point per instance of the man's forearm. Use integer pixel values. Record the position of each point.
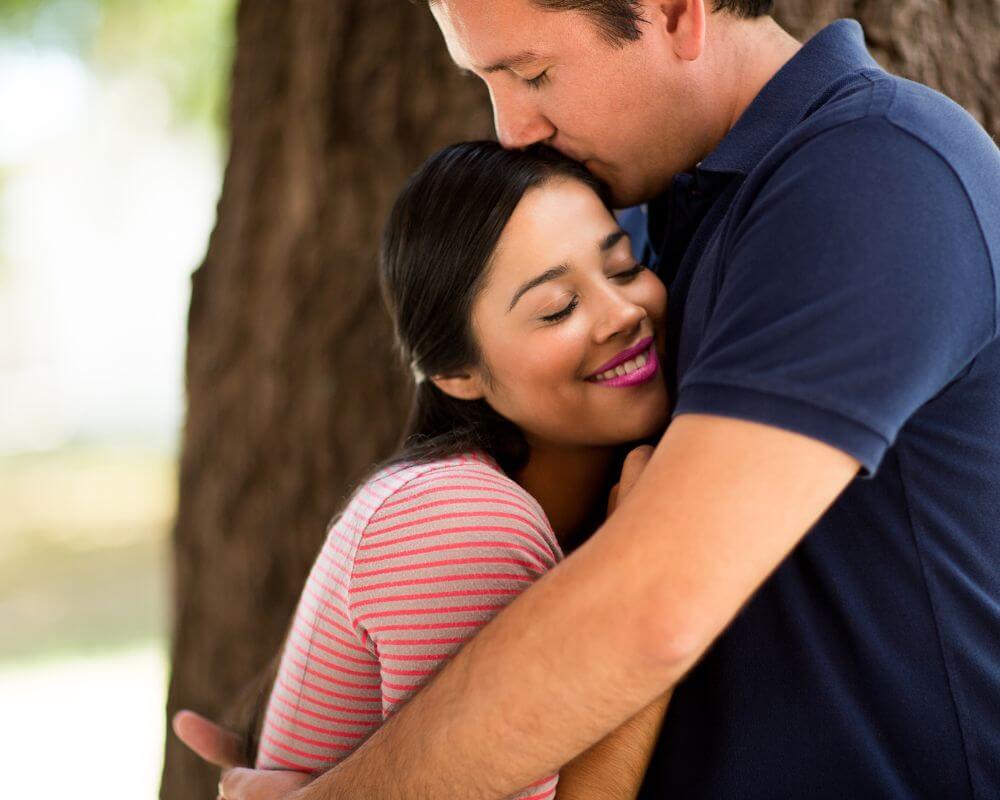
(719, 505)
(564, 664)
(614, 768)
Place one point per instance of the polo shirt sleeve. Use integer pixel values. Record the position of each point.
(855, 288)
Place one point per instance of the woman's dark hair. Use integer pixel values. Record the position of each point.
(436, 251)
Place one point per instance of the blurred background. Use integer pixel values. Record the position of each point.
(111, 155)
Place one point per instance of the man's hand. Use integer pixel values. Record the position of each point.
(221, 747)
(635, 463)
(258, 784)
(209, 741)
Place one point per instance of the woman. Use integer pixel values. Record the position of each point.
(532, 333)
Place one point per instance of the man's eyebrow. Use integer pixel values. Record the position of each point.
(521, 59)
(548, 275)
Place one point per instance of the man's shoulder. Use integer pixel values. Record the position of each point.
(890, 176)
(936, 120)
(885, 118)
(894, 141)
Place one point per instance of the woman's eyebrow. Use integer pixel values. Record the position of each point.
(611, 240)
(548, 275)
(604, 245)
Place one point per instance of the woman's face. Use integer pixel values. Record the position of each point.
(563, 299)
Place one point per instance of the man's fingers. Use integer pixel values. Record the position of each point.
(213, 743)
(233, 785)
(250, 784)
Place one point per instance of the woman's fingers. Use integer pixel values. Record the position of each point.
(212, 742)
(635, 463)
(613, 499)
(250, 784)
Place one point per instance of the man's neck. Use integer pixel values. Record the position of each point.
(757, 50)
(572, 485)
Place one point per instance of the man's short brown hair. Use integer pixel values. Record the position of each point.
(618, 20)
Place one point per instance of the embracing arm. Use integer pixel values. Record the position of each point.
(614, 768)
(718, 507)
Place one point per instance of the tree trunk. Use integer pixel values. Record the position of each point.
(292, 387)
(291, 379)
(951, 45)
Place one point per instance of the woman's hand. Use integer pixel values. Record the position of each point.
(221, 747)
(635, 463)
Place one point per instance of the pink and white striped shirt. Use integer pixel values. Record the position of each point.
(422, 557)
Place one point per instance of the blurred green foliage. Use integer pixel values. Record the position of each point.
(185, 44)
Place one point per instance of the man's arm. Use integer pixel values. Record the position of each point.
(615, 767)
(622, 619)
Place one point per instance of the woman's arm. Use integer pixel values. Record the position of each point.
(437, 561)
(613, 769)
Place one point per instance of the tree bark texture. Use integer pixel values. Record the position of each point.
(951, 45)
(292, 384)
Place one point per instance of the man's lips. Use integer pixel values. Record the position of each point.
(624, 355)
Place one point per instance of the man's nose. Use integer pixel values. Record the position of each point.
(519, 123)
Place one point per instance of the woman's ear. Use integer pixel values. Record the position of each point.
(462, 385)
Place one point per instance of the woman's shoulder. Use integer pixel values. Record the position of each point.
(468, 492)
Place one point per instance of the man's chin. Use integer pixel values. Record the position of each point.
(622, 192)
(628, 196)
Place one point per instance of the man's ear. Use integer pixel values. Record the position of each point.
(462, 385)
(683, 22)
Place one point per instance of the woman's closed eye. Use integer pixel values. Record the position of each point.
(630, 273)
(564, 313)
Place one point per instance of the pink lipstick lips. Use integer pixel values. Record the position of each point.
(642, 374)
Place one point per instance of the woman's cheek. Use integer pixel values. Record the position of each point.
(656, 297)
(563, 355)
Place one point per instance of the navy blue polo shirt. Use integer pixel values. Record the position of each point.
(833, 269)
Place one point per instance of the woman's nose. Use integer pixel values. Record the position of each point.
(620, 317)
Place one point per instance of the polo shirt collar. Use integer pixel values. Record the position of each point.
(835, 52)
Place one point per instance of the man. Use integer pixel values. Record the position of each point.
(811, 554)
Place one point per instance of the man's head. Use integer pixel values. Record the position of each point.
(637, 90)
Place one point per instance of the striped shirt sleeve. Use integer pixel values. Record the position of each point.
(438, 560)
(405, 577)
(326, 698)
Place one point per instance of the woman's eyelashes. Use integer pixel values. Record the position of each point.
(628, 275)
(631, 273)
(564, 313)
